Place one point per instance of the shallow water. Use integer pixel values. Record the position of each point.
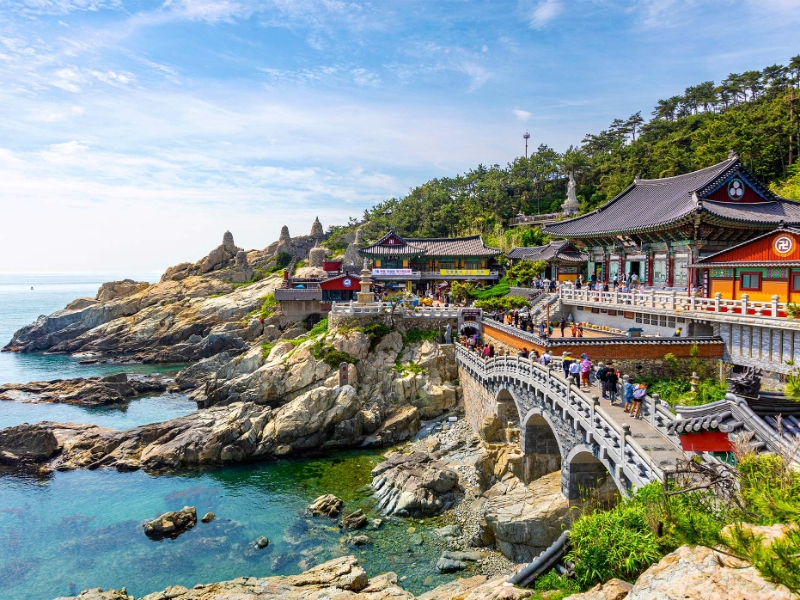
(82, 529)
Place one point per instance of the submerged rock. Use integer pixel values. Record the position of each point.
(171, 524)
(414, 485)
(355, 520)
(448, 565)
(262, 542)
(208, 517)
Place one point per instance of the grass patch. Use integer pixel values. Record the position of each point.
(411, 367)
(376, 332)
(266, 348)
(501, 288)
(330, 355)
(678, 391)
(417, 336)
(268, 306)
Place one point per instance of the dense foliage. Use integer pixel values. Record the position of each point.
(695, 509)
(754, 113)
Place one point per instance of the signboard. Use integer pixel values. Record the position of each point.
(347, 282)
(470, 314)
(465, 272)
(392, 272)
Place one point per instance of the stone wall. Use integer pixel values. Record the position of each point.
(478, 402)
(397, 322)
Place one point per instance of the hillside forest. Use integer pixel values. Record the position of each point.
(754, 113)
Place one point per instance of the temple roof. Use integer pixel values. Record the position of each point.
(651, 204)
(717, 259)
(393, 245)
(561, 250)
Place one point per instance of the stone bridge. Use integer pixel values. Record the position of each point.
(563, 427)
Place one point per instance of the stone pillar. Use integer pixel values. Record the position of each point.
(365, 296)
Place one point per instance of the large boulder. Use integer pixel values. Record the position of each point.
(400, 426)
(120, 289)
(414, 485)
(27, 443)
(613, 589)
(526, 519)
(697, 573)
(171, 524)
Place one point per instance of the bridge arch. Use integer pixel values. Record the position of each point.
(584, 473)
(541, 445)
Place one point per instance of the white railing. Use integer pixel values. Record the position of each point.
(400, 310)
(679, 302)
(615, 440)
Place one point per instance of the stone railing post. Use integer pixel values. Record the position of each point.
(692, 299)
(616, 296)
(672, 299)
(745, 299)
(626, 431)
(717, 299)
(652, 298)
(653, 407)
(595, 404)
(774, 308)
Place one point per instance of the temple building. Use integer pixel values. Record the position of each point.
(766, 266)
(419, 263)
(564, 261)
(658, 228)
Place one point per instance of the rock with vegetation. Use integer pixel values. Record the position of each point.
(414, 485)
(526, 519)
(171, 524)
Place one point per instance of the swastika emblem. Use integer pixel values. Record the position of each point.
(783, 245)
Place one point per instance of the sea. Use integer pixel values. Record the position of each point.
(69, 531)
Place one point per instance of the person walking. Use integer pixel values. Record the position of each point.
(602, 371)
(562, 325)
(586, 368)
(580, 330)
(574, 330)
(575, 372)
(638, 395)
(627, 393)
(546, 358)
(566, 360)
(524, 353)
(612, 380)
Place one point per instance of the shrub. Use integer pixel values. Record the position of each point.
(282, 260)
(266, 348)
(330, 355)
(417, 336)
(318, 329)
(614, 543)
(505, 303)
(500, 289)
(269, 306)
(411, 367)
(376, 332)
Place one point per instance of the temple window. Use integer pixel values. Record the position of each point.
(751, 281)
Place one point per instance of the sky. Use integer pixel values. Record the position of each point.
(133, 134)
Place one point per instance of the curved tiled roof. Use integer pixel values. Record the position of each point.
(547, 252)
(469, 246)
(649, 204)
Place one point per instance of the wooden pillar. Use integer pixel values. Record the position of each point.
(650, 265)
(670, 265)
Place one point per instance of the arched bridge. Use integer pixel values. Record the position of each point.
(564, 427)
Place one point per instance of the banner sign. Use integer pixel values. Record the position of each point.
(464, 272)
(392, 272)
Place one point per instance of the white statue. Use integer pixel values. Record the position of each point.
(571, 205)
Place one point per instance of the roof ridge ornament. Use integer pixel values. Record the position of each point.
(638, 178)
(733, 155)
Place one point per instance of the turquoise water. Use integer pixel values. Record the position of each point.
(82, 529)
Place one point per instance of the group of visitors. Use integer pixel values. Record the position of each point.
(578, 371)
(629, 283)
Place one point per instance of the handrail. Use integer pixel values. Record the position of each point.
(399, 310)
(679, 303)
(625, 452)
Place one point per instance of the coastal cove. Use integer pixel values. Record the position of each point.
(82, 529)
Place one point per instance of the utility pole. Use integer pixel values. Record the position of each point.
(527, 136)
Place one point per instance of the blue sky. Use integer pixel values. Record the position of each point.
(133, 134)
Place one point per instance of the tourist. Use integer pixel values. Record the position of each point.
(586, 369)
(602, 371)
(638, 395)
(627, 393)
(541, 329)
(677, 332)
(491, 350)
(580, 330)
(546, 358)
(486, 352)
(578, 283)
(562, 324)
(612, 381)
(566, 359)
(574, 330)
(552, 286)
(524, 353)
(575, 372)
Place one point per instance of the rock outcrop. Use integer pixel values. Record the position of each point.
(171, 524)
(697, 573)
(414, 485)
(26, 444)
(526, 519)
(93, 391)
(327, 505)
(340, 579)
(113, 290)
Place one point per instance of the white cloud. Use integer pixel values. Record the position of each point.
(522, 115)
(211, 11)
(484, 48)
(544, 11)
(365, 77)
